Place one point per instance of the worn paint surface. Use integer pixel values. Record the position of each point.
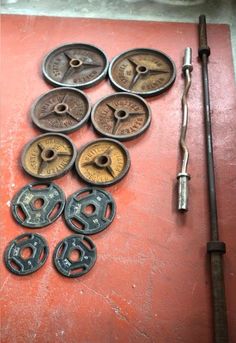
(151, 281)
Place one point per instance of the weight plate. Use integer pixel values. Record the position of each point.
(75, 255)
(75, 65)
(48, 156)
(146, 72)
(89, 211)
(122, 116)
(38, 204)
(102, 162)
(26, 253)
(61, 110)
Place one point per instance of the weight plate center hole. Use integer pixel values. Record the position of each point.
(90, 209)
(48, 154)
(121, 114)
(38, 203)
(75, 255)
(103, 161)
(26, 253)
(61, 108)
(142, 69)
(75, 63)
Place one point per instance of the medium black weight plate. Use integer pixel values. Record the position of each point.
(75, 65)
(38, 204)
(90, 210)
(75, 255)
(26, 253)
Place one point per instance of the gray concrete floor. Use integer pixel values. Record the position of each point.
(217, 11)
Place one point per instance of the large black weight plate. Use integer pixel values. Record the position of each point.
(85, 251)
(89, 210)
(38, 204)
(23, 264)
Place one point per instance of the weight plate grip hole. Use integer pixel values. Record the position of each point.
(55, 210)
(108, 211)
(20, 213)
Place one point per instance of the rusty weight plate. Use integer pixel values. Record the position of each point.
(61, 110)
(48, 156)
(145, 72)
(75, 65)
(122, 116)
(102, 162)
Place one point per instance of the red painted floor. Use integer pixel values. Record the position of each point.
(151, 279)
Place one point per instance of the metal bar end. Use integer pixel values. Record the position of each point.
(183, 179)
